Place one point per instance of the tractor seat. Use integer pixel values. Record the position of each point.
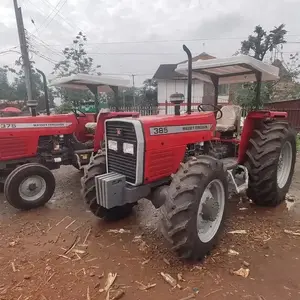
(90, 127)
(230, 119)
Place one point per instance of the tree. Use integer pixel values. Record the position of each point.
(258, 45)
(149, 92)
(76, 61)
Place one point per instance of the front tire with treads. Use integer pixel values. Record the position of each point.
(97, 166)
(270, 160)
(192, 205)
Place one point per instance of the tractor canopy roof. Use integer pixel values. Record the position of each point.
(85, 81)
(234, 69)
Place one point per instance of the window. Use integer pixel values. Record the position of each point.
(223, 89)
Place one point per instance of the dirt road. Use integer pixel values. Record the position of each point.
(62, 251)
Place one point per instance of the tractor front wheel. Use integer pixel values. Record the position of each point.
(97, 166)
(270, 160)
(195, 207)
(29, 186)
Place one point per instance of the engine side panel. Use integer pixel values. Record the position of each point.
(19, 136)
(166, 140)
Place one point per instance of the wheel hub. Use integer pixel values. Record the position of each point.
(32, 188)
(210, 211)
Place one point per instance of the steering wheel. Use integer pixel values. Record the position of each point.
(80, 114)
(216, 110)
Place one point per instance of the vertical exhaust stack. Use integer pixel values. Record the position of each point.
(189, 94)
(45, 92)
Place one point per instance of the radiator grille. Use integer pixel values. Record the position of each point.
(118, 161)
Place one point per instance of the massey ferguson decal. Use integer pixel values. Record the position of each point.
(33, 125)
(179, 129)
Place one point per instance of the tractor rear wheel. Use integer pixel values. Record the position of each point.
(270, 160)
(29, 186)
(97, 166)
(195, 207)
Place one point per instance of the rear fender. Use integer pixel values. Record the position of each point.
(249, 126)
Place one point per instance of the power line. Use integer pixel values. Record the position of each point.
(55, 13)
(167, 41)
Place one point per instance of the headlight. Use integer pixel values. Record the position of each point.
(128, 148)
(112, 145)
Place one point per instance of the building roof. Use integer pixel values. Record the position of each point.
(167, 71)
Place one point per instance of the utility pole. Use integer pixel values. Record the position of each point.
(133, 89)
(25, 57)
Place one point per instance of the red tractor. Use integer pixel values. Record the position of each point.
(188, 163)
(32, 146)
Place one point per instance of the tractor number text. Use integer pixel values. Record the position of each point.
(160, 130)
(8, 125)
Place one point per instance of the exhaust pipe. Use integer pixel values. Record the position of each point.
(45, 91)
(189, 94)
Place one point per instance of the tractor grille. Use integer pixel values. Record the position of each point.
(118, 161)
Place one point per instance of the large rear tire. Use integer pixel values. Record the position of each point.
(270, 160)
(29, 186)
(195, 207)
(97, 166)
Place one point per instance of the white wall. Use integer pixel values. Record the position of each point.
(165, 88)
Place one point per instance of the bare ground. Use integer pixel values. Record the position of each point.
(62, 251)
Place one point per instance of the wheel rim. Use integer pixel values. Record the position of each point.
(284, 164)
(210, 211)
(32, 188)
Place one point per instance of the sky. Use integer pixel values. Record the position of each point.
(135, 36)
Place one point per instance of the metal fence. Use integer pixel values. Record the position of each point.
(143, 110)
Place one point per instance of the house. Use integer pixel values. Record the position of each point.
(170, 82)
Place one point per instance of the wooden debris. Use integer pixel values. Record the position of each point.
(242, 272)
(246, 264)
(72, 245)
(77, 251)
(238, 232)
(57, 238)
(62, 220)
(180, 277)
(88, 297)
(233, 252)
(166, 261)
(169, 279)
(50, 277)
(110, 281)
(213, 292)
(191, 296)
(146, 287)
(292, 232)
(119, 294)
(70, 224)
(145, 261)
(86, 237)
(121, 230)
(13, 267)
(64, 256)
